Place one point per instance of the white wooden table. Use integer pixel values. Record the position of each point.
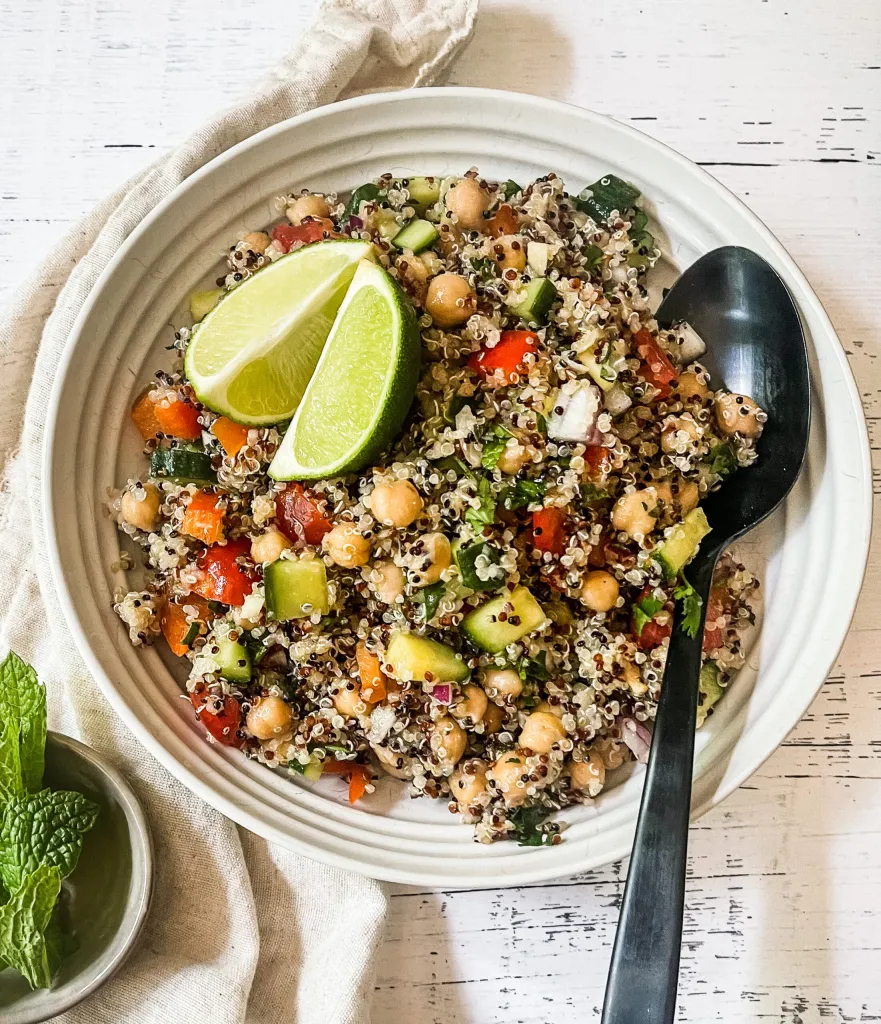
(781, 99)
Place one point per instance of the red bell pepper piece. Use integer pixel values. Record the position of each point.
(653, 632)
(656, 368)
(505, 359)
(312, 230)
(300, 516)
(223, 726)
(221, 578)
(715, 607)
(547, 530)
(598, 459)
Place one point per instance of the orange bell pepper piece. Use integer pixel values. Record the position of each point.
(178, 419)
(144, 415)
(503, 221)
(232, 436)
(373, 679)
(176, 627)
(359, 776)
(203, 518)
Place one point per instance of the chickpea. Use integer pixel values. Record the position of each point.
(680, 433)
(395, 504)
(348, 701)
(468, 783)
(449, 300)
(588, 776)
(434, 558)
(448, 740)
(258, 241)
(514, 457)
(268, 547)
(551, 709)
(507, 252)
(738, 414)
(631, 513)
(633, 678)
(492, 719)
(504, 682)
(468, 202)
(507, 772)
(388, 761)
(144, 513)
(611, 752)
(307, 206)
(599, 591)
(692, 388)
(473, 704)
(387, 581)
(269, 718)
(541, 731)
(685, 498)
(346, 546)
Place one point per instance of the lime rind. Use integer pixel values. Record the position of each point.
(389, 407)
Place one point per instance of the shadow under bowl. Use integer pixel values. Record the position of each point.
(104, 901)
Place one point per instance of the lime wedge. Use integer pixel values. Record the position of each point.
(252, 356)
(362, 387)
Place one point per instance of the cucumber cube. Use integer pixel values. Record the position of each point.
(504, 620)
(416, 236)
(234, 660)
(416, 659)
(295, 588)
(540, 294)
(683, 542)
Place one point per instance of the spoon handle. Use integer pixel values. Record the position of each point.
(644, 973)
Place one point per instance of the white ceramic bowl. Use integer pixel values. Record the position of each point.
(811, 554)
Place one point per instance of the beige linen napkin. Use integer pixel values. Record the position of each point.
(240, 931)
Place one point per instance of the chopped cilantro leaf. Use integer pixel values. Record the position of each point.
(484, 268)
(590, 493)
(510, 188)
(485, 513)
(523, 493)
(430, 598)
(529, 829)
(494, 446)
(722, 460)
(691, 607)
(593, 254)
(541, 423)
(644, 611)
(534, 668)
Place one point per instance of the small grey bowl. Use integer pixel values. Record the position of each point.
(105, 900)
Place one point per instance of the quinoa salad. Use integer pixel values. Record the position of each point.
(489, 602)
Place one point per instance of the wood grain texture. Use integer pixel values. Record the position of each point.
(781, 100)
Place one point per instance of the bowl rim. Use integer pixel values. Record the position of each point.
(59, 1000)
(772, 733)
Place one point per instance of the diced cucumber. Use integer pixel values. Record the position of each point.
(599, 372)
(424, 192)
(522, 612)
(416, 659)
(234, 660)
(182, 466)
(295, 588)
(201, 303)
(537, 256)
(603, 197)
(416, 236)
(711, 689)
(683, 543)
(363, 193)
(466, 558)
(540, 294)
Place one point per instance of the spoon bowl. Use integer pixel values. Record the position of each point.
(740, 307)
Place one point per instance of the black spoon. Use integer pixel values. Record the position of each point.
(742, 310)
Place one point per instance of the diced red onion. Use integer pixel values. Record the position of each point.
(355, 222)
(637, 737)
(442, 693)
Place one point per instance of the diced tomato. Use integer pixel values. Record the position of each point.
(178, 418)
(203, 518)
(653, 632)
(656, 368)
(548, 533)
(359, 776)
(598, 459)
(221, 579)
(224, 726)
(373, 679)
(144, 415)
(232, 436)
(300, 515)
(503, 221)
(715, 605)
(313, 229)
(175, 626)
(505, 359)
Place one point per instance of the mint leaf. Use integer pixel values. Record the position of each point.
(691, 607)
(42, 828)
(644, 611)
(430, 598)
(23, 720)
(534, 669)
(529, 827)
(494, 445)
(722, 460)
(485, 513)
(523, 493)
(23, 921)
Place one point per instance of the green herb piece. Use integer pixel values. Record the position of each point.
(591, 494)
(722, 460)
(485, 268)
(523, 493)
(466, 561)
(485, 513)
(430, 598)
(644, 611)
(510, 188)
(534, 669)
(23, 922)
(42, 828)
(541, 424)
(495, 446)
(593, 254)
(364, 193)
(23, 724)
(192, 633)
(691, 607)
(601, 199)
(60, 944)
(529, 827)
(641, 238)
